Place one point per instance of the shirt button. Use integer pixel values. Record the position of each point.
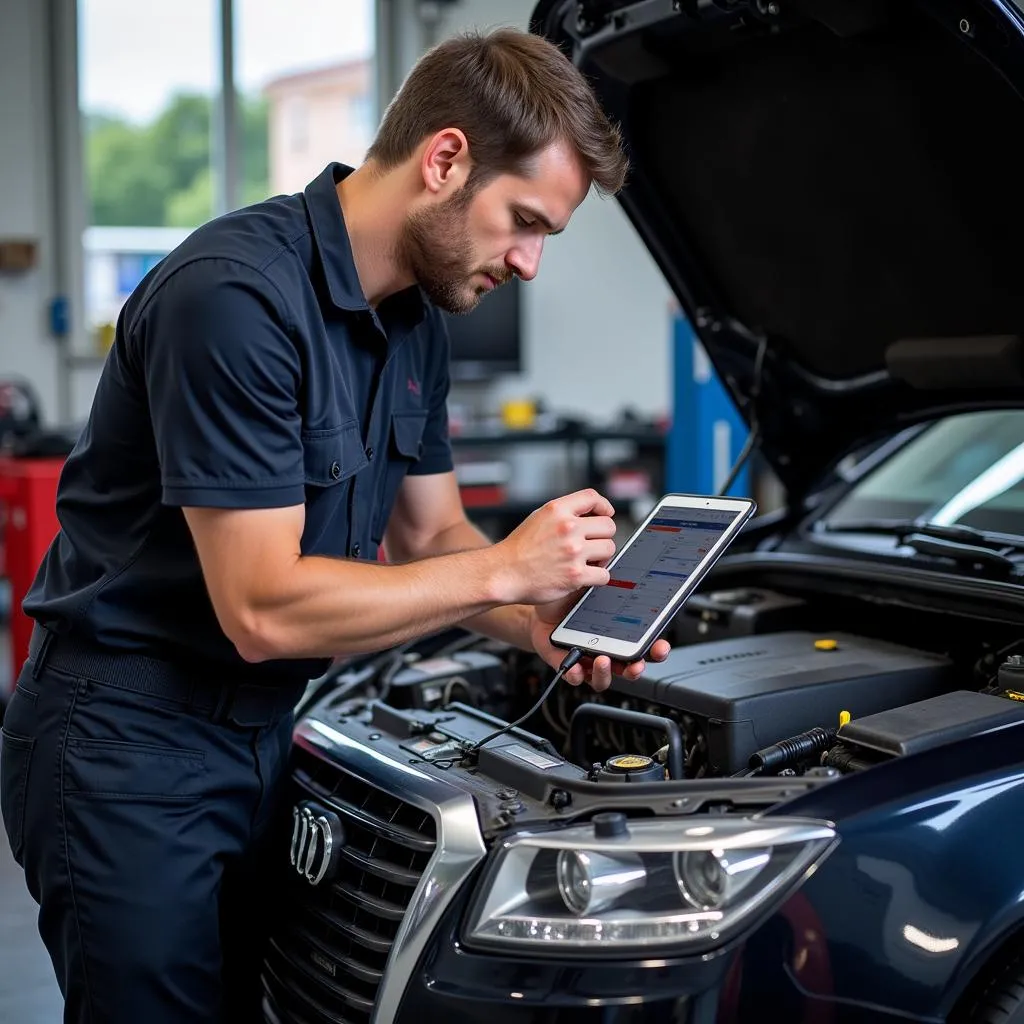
(355, 550)
(369, 454)
(335, 470)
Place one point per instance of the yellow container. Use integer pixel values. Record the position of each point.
(105, 338)
(519, 413)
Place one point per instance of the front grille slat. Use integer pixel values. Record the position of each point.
(374, 904)
(361, 936)
(385, 829)
(328, 961)
(330, 987)
(380, 867)
(360, 971)
(273, 1015)
(295, 998)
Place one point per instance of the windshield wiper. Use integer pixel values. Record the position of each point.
(901, 528)
(963, 544)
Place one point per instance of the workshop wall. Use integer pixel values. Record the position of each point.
(27, 348)
(597, 332)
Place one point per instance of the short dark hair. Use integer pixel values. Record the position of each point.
(512, 94)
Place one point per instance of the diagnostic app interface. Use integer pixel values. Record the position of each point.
(648, 575)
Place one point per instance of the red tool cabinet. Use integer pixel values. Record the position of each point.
(28, 512)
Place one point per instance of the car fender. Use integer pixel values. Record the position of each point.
(927, 881)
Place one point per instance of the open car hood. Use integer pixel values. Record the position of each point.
(833, 190)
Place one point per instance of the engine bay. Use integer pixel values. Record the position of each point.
(755, 688)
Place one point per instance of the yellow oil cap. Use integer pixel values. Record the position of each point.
(826, 645)
(629, 762)
(844, 718)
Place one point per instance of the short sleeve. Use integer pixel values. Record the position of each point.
(222, 377)
(436, 453)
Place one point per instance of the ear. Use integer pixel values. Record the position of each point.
(445, 164)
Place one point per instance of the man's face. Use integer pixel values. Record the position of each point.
(475, 240)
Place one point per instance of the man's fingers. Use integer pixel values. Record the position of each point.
(587, 502)
(599, 551)
(660, 650)
(601, 677)
(597, 527)
(575, 675)
(634, 670)
(600, 671)
(594, 576)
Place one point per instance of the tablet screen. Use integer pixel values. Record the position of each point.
(649, 572)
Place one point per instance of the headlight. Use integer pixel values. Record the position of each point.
(649, 884)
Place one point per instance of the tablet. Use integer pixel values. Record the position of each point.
(652, 575)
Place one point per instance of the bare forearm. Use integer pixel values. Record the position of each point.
(510, 623)
(325, 607)
(275, 603)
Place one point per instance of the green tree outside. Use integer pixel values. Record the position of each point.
(159, 174)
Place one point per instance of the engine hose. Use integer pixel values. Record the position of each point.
(796, 748)
(578, 737)
(846, 760)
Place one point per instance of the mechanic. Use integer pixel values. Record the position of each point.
(273, 411)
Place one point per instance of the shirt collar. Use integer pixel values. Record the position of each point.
(335, 249)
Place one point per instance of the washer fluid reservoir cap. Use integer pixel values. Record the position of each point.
(631, 768)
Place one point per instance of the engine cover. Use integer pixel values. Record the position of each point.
(744, 694)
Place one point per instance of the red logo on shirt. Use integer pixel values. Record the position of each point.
(413, 386)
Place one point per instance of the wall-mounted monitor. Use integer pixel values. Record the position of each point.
(488, 341)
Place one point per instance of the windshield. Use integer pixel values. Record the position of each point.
(966, 470)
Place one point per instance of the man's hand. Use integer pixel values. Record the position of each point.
(597, 671)
(559, 549)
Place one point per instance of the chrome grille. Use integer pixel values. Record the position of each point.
(327, 961)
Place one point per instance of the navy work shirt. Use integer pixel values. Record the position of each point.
(248, 371)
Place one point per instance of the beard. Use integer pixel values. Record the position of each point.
(436, 247)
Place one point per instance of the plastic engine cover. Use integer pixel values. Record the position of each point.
(749, 692)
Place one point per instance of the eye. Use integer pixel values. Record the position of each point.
(521, 221)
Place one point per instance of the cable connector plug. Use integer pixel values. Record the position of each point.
(569, 661)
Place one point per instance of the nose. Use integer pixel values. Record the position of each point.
(524, 259)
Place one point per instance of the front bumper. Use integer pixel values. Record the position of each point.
(379, 942)
(770, 976)
(750, 983)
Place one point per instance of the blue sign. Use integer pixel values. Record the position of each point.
(132, 267)
(707, 432)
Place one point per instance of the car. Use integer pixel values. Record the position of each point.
(813, 811)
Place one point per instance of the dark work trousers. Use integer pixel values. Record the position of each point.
(150, 836)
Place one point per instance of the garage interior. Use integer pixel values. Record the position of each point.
(125, 126)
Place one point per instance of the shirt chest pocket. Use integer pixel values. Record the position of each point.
(332, 456)
(405, 446)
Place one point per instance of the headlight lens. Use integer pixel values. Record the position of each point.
(709, 879)
(589, 882)
(688, 882)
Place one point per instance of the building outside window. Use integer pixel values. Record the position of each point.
(346, 86)
(296, 116)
